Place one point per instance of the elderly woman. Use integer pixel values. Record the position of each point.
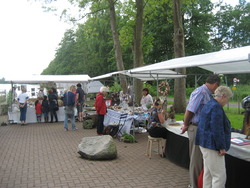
(101, 109)
(213, 136)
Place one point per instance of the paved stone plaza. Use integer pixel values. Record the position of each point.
(44, 155)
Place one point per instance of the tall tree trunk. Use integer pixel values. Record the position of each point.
(117, 46)
(179, 51)
(137, 49)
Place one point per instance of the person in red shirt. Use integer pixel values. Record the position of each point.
(101, 109)
(39, 112)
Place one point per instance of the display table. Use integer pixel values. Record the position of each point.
(237, 158)
(112, 118)
(14, 117)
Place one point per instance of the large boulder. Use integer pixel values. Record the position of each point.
(98, 148)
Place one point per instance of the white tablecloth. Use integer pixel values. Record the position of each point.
(241, 152)
(112, 118)
(31, 115)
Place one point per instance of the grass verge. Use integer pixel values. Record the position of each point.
(232, 114)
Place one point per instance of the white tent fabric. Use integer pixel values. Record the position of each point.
(222, 62)
(144, 75)
(93, 87)
(106, 75)
(48, 78)
(148, 75)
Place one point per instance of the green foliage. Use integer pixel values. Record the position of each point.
(189, 91)
(241, 92)
(88, 124)
(232, 26)
(152, 88)
(116, 87)
(89, 48)
(232, 114)
(9, 98)
(128, 138)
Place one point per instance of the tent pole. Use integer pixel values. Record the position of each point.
(157, 85)
(12, 94)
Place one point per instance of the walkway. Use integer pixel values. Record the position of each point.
(43, 155)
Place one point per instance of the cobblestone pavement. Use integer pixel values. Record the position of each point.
(44, 155)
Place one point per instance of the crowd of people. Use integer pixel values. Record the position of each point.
(205, 121)
(46, 105)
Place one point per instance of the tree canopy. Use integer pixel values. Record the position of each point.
(88, 49)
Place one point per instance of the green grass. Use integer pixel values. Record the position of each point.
(232, 114)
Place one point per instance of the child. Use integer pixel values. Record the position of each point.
(45, 109)
(38, 108)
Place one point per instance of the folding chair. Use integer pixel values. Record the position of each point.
(121, 124)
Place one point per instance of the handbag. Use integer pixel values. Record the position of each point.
(56, 108)
(69, 110)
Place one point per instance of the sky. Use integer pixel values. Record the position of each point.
(29, 37)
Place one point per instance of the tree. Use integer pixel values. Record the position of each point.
(137, 47)
(117, 46)
(180, 83)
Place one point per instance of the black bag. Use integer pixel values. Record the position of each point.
(56, 108)
(111, 130)
(69, 110)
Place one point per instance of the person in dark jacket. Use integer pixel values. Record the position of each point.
(101, 109)
(45, 109)
(53, 104)
(213, 137)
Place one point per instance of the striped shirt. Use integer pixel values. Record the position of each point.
(198, 98)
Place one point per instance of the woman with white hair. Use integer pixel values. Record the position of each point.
(101, 108)
(213, 136)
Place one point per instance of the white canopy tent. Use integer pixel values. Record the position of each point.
(144, 75)
(222, 62)
(32, 79)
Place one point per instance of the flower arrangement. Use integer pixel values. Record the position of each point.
(163, 88)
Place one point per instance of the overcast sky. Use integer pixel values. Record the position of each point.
(29, 37)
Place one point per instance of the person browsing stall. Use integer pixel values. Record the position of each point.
(198, 98)
(53, 104)
(80, 97)
(101, 109)
(69, 103)
(22, 102)
(213, 137)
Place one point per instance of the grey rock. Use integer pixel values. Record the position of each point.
(98, 148)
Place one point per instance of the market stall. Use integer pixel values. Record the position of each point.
(14, 112)
(112, 118)
(237, 158)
